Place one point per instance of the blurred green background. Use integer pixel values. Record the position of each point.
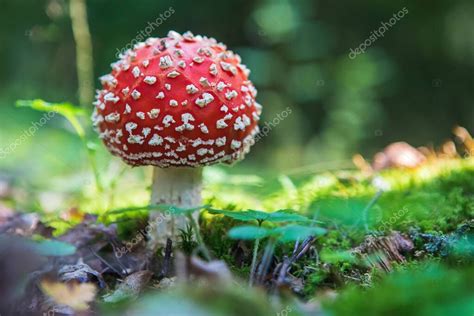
(414, 83)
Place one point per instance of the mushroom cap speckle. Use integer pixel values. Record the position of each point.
(183, 100)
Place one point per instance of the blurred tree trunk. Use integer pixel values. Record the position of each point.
(84, 60)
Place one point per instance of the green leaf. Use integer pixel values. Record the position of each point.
(286, 216)
(174, 210)
(43, 106)
(251, 215)
(54, 248)
(296, 232)
(283, 233)
(248, 232)
(241, 216)
(69, 111)
(185, 211)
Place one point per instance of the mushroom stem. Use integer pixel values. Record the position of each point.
(179, 187)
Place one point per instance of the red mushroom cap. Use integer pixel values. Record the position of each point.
(183, 100)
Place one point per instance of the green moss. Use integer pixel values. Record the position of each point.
(314, 282)
(214, 233)
(434, 199)
(431, 290)
(438, 197)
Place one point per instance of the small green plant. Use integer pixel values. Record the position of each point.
(72, 114)
(187, 243)
(168, 210)
(260, 216)
(256, 233)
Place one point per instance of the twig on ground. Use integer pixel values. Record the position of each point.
(266, 260)
(114, 247)
(167, 259)
(105, 262)
(298, 252)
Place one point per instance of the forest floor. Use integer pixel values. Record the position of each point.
(345, 242)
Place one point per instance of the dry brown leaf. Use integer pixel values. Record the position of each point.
(130, 287)
(362, 164)
(380, 252)
(398, 155)
(466, 138)
(448, 150)
(73, 215)
(76, 295)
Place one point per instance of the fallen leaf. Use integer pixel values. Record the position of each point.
(73, 215)
(465, 137)
(380, 252)
(398, 155)
(130, 287)
(81, 273)
(24, 224)
(88, 235)
(73, 294)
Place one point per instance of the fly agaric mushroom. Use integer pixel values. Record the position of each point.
(177, 103)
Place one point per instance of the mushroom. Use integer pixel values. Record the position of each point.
(177, 103)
